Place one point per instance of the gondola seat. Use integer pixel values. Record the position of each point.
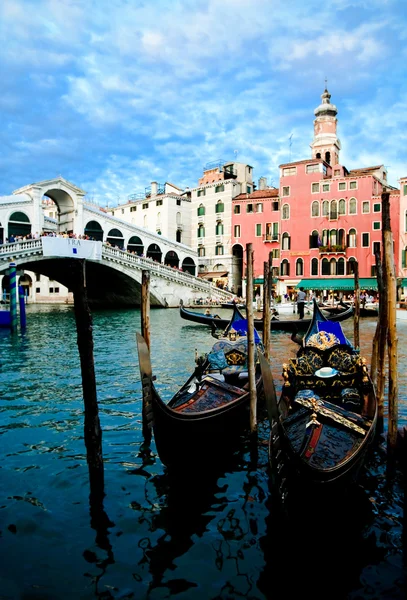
(230, 358)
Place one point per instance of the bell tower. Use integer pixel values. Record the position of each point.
(326, 144)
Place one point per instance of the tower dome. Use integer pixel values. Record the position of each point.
(326, 144)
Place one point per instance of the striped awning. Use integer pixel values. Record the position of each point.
(337, 283)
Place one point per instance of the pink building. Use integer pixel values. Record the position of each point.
(328, 218)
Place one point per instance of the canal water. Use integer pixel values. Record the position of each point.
(218, 537)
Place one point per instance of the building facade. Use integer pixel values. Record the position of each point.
(211, 218)
(162, 209)
(328, 218)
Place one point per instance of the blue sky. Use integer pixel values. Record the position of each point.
(114, 94)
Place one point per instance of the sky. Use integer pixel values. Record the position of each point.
(115, 94)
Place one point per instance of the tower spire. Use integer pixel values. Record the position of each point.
(326, 144)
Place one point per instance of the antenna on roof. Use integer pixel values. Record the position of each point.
(291, 141)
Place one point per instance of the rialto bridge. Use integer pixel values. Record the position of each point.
(114, 275)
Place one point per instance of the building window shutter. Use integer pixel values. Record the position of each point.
(403, 259)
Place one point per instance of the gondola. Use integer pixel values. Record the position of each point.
(211, 410)
(325, 419)
(368, 310)
(275, 325)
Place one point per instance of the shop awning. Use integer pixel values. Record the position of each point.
(213, 274)
(346, 283)
(404, 282)
(261, 280)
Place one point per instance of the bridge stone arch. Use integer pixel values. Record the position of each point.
(189, 266)
(115, 238)
(135, 245)
(171, 259)
(67, 197)
(154, 252)
(94, 230)
(18, 224)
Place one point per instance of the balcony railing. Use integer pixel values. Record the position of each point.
(334, 249)
(271, 237)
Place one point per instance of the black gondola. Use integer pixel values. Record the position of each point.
(275, 325)
(211, 409)
(326, 417)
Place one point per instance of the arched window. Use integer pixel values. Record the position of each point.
(219, 228)
(314, 239)
(18, 224)
(333, 238)
(328, 157)
(342, 207)
(299, 267)
(135, 245)
(332, 267)
(341, 238)
(178, 218)
(340, 266)
(188, 265)
(352, 206)
(94, 230)
(154, 252)
(285, 268)
(285, 211)
(315, 208)
(201, 210)
(350, 266)
(220, 207)
(314, 266)
(171, 259)
(115, 238)
(285, 241)
(352, 238)
(325, 267)
(334, 210)
(219, 250)
(325, 208)
(318, 155)
(325, 237)
(201, 231)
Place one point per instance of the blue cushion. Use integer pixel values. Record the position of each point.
(217, 360)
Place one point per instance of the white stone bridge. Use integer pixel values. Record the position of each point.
(115, 279)
(127, 249)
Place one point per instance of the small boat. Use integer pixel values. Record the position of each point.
(211, 410)
(325, 419)
(282, 324)
(370, 309)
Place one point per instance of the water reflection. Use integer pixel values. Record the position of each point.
(153, 536)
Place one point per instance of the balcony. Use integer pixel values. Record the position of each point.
(201, 218)
(334, 249)
(271, 237)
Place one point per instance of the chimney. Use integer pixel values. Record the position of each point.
(154, 188)
(262, 183)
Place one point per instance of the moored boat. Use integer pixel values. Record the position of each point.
(280, 324)
(211, 410)
(325, 419)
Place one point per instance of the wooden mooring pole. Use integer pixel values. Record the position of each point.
(92, 429)
(250, 338)
(356, 337)
(145, 306)
(392, 340)
(267, 286)
(145, 332)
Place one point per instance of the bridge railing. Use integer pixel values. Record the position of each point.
(13, 250)
(164, 271)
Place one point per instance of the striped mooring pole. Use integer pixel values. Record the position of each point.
(21, 301)
(13, 296)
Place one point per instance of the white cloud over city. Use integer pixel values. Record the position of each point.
(114, 95)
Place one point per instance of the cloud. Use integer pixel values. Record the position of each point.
(131, 92)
